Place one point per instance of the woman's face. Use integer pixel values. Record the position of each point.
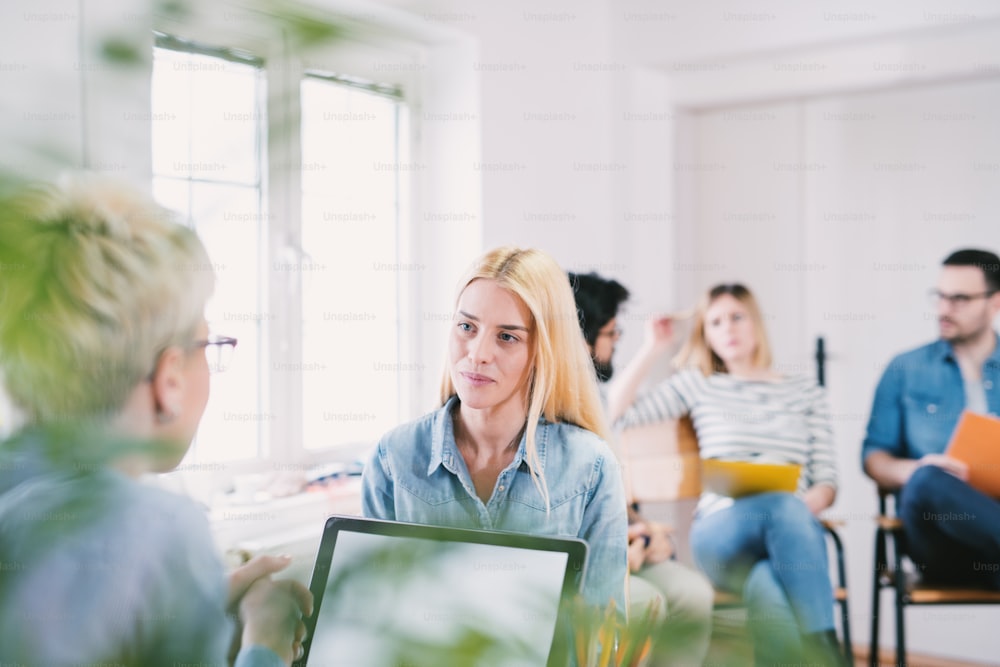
(729, 330)
(490, 347)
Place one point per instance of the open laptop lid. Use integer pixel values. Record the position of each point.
(390, 594)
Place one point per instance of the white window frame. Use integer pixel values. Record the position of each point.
(434, 66)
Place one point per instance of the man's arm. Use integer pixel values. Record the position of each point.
(885, 438)
(890, 472)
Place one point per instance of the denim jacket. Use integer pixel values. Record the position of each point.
(94, 565)
(919, 400)
(417, 475)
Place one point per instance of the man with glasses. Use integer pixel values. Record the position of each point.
(656, 575)
(952, 530)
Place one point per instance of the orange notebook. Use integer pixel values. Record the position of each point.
(976, 441)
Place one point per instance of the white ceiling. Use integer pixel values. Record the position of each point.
(662, 33)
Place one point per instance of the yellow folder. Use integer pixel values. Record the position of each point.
(744, 478)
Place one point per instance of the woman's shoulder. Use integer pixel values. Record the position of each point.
(417, 434)
(690, 379)
(150, 515)
(574, 441)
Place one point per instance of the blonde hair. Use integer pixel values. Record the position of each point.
(98, 280)
(562, 383)
(696, 351)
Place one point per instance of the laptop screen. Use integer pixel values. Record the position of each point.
(402, 595)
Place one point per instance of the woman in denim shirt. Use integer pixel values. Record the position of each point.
(518, 443)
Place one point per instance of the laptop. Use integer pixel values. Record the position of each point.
(391, 594)
(744, 478)
(976, 442)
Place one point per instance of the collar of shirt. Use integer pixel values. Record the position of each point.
(444, 449)
(944, 352)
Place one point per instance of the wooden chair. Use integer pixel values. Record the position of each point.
(890, 557)
(662, 463)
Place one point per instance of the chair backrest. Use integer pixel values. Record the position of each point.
(661, 461)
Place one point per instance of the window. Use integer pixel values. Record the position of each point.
(351, 193)
(306, 257)
(207, 140)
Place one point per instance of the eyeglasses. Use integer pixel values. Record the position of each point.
(957, 300)
(221, 353)
(615, 333)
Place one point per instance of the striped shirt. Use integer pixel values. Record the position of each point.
(765, 421)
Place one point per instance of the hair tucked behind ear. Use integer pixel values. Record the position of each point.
(563, 384)
(97, 279)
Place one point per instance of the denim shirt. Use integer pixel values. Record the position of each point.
(920, 398)
(417, 475)
(95, 566)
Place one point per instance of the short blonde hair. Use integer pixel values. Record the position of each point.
(696, 351)
(562, 382)
(97, 281)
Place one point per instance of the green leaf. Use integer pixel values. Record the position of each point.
(118, 51)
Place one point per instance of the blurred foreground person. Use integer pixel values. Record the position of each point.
(105, 351)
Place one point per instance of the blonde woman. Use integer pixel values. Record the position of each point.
(518, 443)
(103, 346)
(769, 547)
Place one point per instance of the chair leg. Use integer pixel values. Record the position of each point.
(880, 561)
(845, 614)
(900, 634)
(873, 645)
(845, 618)
(900, 580)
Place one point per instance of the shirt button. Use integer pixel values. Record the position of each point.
(931, 409)
(501, 487)
(987, 384)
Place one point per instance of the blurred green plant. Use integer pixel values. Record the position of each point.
(603, 638)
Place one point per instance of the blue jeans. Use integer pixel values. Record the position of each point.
(952, 530)
(771, 550)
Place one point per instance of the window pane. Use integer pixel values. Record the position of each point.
(206, 165)
(350, 291)
(205, 117)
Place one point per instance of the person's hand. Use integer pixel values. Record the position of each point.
(819, 497)
(638, 536)
(660, 547)
(957, 468)
(245, 575)
(272, 612)
(659, 331)
(636, 555)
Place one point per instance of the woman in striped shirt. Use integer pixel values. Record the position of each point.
(769, 547)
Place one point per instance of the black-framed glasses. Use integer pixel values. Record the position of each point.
(957, 300)
(218, 351)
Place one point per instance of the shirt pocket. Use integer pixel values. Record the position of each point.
(929, 419)
(441, 488)
(526, 510)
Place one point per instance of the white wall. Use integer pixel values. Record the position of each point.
(550, 163)
(33, 121)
